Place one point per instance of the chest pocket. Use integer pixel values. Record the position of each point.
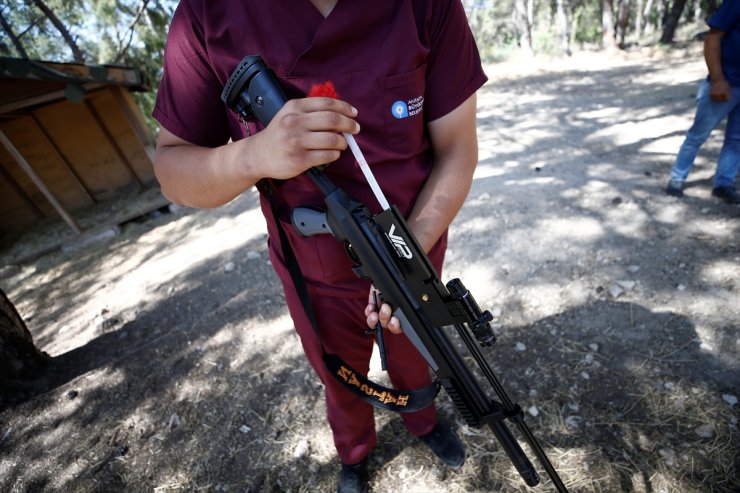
(402, 104)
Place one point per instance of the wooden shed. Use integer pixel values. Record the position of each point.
(71, 136)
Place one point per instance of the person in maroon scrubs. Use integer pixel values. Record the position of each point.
(406, 74)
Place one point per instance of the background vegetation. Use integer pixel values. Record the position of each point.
(133, 32)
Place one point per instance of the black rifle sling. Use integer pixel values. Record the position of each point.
(402, 401)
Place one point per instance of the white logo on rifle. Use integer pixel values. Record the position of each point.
(398, 243)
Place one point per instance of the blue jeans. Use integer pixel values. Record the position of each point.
(709, 114)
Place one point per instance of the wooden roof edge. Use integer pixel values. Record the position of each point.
(21, 68)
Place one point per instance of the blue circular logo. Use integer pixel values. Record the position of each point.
(400, 110)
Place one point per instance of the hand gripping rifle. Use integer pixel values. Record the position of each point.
(385, 251)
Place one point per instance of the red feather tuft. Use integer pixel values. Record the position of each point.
(323, 90)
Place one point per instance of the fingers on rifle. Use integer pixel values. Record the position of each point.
(386, 312)
(370, 308)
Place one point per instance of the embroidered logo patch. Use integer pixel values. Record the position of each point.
(400, 110)
(405, 109)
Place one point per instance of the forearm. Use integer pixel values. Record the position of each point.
(441, 198)
(713, 55)
(455, 147)
(305, 133)
(203, 177)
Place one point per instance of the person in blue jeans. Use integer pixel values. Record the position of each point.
(718, 98)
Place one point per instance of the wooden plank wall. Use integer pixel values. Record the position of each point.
(84, 153)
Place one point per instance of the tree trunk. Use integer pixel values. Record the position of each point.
(21, 363)
(607, 25)
(13, 38)
(672, 22)
(76, 52)
(647, 26)
(639, 17)
(698, 17)
(623, 21)
(564, 20)
(524, 18)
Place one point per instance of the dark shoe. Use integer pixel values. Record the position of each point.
(675, 188)
(446, 445)
(728, 194)
(353, 478)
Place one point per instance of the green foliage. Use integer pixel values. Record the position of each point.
(494, 29)
(547, 35)
(586, 22)
(108, 31)
(131, 33)
(39, 37)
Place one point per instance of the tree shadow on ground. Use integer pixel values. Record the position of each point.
(134, 366)
(626, 389)
(71, 271)
(620, 382)
(180, 397)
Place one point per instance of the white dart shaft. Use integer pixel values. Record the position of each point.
(357, 153)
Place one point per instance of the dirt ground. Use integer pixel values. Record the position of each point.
(175, 367)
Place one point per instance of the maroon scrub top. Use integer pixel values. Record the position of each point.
(400, 63)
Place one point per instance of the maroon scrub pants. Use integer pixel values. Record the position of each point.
(343, 327)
